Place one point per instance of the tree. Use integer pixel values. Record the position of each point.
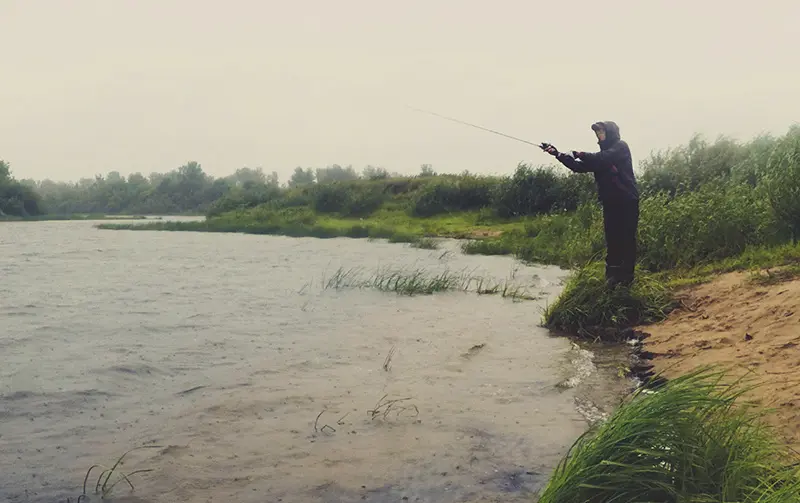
(336, 173)
(301, 177)
(245, 175)
(426, 170)
(16, 199)
(375, 173)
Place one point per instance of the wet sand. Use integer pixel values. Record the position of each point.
(750, 328)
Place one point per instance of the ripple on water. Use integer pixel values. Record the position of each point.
(258, 384)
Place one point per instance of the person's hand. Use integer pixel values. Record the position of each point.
(549, 149)
(578, 155)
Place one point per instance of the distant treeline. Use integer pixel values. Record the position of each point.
(187, 189)
(16, 199)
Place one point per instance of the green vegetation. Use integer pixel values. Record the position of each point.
(185, 190)
(16, 199)
(692, 440)
(587, 307)
(420, 282)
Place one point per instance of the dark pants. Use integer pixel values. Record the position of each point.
(620, 222)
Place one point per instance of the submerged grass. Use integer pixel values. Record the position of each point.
(420, 282)
(102, 489)
(692, 440)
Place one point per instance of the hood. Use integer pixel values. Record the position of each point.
(612, 133)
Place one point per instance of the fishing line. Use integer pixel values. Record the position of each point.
(540, 145)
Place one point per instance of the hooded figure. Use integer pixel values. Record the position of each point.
(618, 194)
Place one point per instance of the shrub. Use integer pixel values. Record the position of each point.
(449, 194)
(245, 197)
(714, 222)
(350, 199)
(782, 182)
(688, 167)
(528, 192)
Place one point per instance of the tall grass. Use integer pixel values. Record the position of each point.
(693, 440)
(589, 308)
(421, 282)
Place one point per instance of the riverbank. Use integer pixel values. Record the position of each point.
(747, 322)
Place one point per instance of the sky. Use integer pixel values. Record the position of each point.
(92, 86)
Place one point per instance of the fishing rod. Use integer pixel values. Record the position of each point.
(542, 146)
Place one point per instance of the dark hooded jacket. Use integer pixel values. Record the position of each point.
(612, 167)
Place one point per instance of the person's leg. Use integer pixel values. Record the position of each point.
(612, 226)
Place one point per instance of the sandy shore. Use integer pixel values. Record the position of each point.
(733, 321)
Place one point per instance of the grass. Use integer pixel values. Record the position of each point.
(420, 282)
(692, 440)
(102, 487)
(395, 226)
(589, 308)
(425, 244)
(770, 276)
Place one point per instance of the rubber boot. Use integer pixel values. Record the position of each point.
(615, 276)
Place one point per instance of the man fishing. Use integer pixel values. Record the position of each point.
(618, 194)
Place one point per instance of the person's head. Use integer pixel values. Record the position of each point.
(607, 132)
(599, 131)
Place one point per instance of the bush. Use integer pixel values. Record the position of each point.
(715, 222)
(243, 198)
(450, 194)
(688, 167)
(528, 192)
(349, 199)
(782, 182)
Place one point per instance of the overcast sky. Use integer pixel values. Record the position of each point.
(90, 86)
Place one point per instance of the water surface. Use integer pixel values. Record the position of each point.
(223, 350)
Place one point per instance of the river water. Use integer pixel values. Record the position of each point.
(220, 352)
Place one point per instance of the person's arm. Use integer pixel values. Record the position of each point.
(576, 165)
(603, 160)
(567, 160)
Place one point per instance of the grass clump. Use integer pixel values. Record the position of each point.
(589, 308)
(102, 489)
(425, 244)
(402, 282)
(693, 440)
(420, 282)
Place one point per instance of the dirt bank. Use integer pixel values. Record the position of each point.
(734, 321)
